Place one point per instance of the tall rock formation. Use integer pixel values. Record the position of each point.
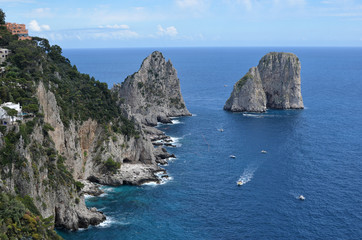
(274, 83)
(153, 93)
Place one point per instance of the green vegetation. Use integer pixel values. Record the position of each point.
(111, 165)
(243, 80)
(47, 127)
(140, 85)
(177, 103)
(79, 97)
(2, 16)
(79, 185)
(19, 219)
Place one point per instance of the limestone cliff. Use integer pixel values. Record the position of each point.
(153, 93)
(74, 132)
(45, 164)
(248, 94)
(274, 83)
(87, 145)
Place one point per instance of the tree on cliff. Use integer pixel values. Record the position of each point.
(2, 16)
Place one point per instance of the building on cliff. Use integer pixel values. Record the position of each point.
(5, 117)
(18, 29)
(3, 54)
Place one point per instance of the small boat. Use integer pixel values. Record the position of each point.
(263, 151)
(232, 156)
(220, 130)
(239, 183)
(301, 197)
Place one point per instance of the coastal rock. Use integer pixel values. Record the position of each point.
(153, 93)
(274, 83)
(129, 174)
(280, 74)
(248, 94)
(91, 189)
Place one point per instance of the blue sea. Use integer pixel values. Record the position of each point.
(316, 152)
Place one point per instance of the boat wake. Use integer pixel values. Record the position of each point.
(247, 175)
(253, 115)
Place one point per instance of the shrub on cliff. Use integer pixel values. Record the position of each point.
(111, 165)
(18, 222)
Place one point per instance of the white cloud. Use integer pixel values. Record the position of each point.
(34, 26)
(169, 31)
(115, 26)
(195, 5)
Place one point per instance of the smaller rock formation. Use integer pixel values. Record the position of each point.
(274, 83)
(248, 94)
(153, 93)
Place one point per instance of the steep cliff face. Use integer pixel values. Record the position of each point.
(75, 132)
(280, 75)
(248, 94)
(37, 171)
(274, 83)
(153, 93)
(87, 145)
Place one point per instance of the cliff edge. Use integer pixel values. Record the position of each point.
(274, 83)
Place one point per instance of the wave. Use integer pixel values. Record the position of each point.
(162, 179)
(247, 174)
(87, 196)
(175, 121)
(107, 189)
(176, 141)
(111, 221)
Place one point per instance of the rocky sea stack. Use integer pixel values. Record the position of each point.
(153, 93)
(274, 83)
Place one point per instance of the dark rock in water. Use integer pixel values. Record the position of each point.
(157, 143)
(169, 145)
(153, 93)
(274, 83)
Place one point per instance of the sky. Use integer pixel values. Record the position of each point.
(190, 23)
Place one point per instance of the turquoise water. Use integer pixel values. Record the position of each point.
(315, 152)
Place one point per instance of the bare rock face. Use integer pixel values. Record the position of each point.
(248, 94)
(153, 93)
(280, 74)
(274, 83)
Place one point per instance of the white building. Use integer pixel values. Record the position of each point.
(3, 54)
(5, 118)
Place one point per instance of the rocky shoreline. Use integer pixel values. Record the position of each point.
(136, 174)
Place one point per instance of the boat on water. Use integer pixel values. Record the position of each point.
(220, 130)
(232, 156)
(301, 197)
(239, 183)
(263, 151)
